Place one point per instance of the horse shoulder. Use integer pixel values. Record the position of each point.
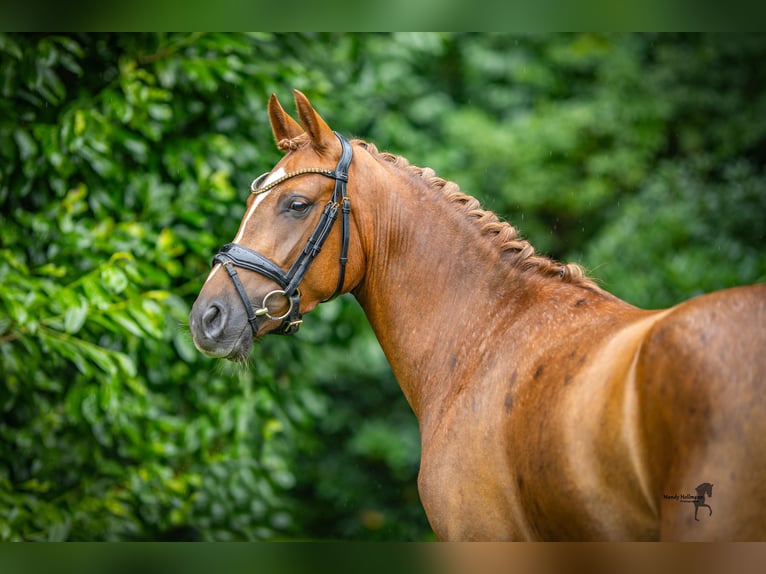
(588, 461)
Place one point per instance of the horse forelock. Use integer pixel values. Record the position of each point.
(293, 144)
(501, 234)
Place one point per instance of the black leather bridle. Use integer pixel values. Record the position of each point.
(233, 255)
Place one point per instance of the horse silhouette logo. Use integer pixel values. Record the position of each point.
(703, 490)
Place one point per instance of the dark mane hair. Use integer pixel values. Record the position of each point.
(502, 234)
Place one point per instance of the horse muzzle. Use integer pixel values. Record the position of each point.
(219, 329)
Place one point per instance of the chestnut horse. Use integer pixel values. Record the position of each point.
(548, 408)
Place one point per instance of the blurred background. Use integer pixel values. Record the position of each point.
(125, 162)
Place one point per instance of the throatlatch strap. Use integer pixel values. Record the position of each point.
(340, 194)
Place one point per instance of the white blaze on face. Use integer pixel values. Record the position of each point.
(256, 202)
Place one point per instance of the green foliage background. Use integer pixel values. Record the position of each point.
(126, 160)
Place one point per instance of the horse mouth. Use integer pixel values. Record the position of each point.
(233, 348)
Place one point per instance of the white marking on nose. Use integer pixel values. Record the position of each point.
(258, 199)
(213, 272)
(256, 202)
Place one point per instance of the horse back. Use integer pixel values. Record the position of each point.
(702, 375)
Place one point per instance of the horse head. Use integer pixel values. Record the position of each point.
(704, 489)
(288, 254)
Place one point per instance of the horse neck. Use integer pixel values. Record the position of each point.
(434, 287)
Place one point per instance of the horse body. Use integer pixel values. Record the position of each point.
(582, 434)
(548, 408)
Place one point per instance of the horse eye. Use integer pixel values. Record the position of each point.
(299, 205)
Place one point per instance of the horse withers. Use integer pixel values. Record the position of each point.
(548, 408)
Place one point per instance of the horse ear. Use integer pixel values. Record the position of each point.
(283, 126)
(319, 132)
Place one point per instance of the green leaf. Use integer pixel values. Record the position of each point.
(126, 364)
(26, 144)
(75, 317)
(114, 279)
(59, 531)
(126, 322)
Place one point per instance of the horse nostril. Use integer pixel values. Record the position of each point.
(213, 321)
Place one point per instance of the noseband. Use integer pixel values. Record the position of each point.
(233, 255)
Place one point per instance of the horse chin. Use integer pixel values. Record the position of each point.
(239, 355)
(240, 351)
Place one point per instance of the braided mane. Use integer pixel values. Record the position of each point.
(502, 234)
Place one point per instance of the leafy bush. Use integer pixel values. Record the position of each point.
(124, 156)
